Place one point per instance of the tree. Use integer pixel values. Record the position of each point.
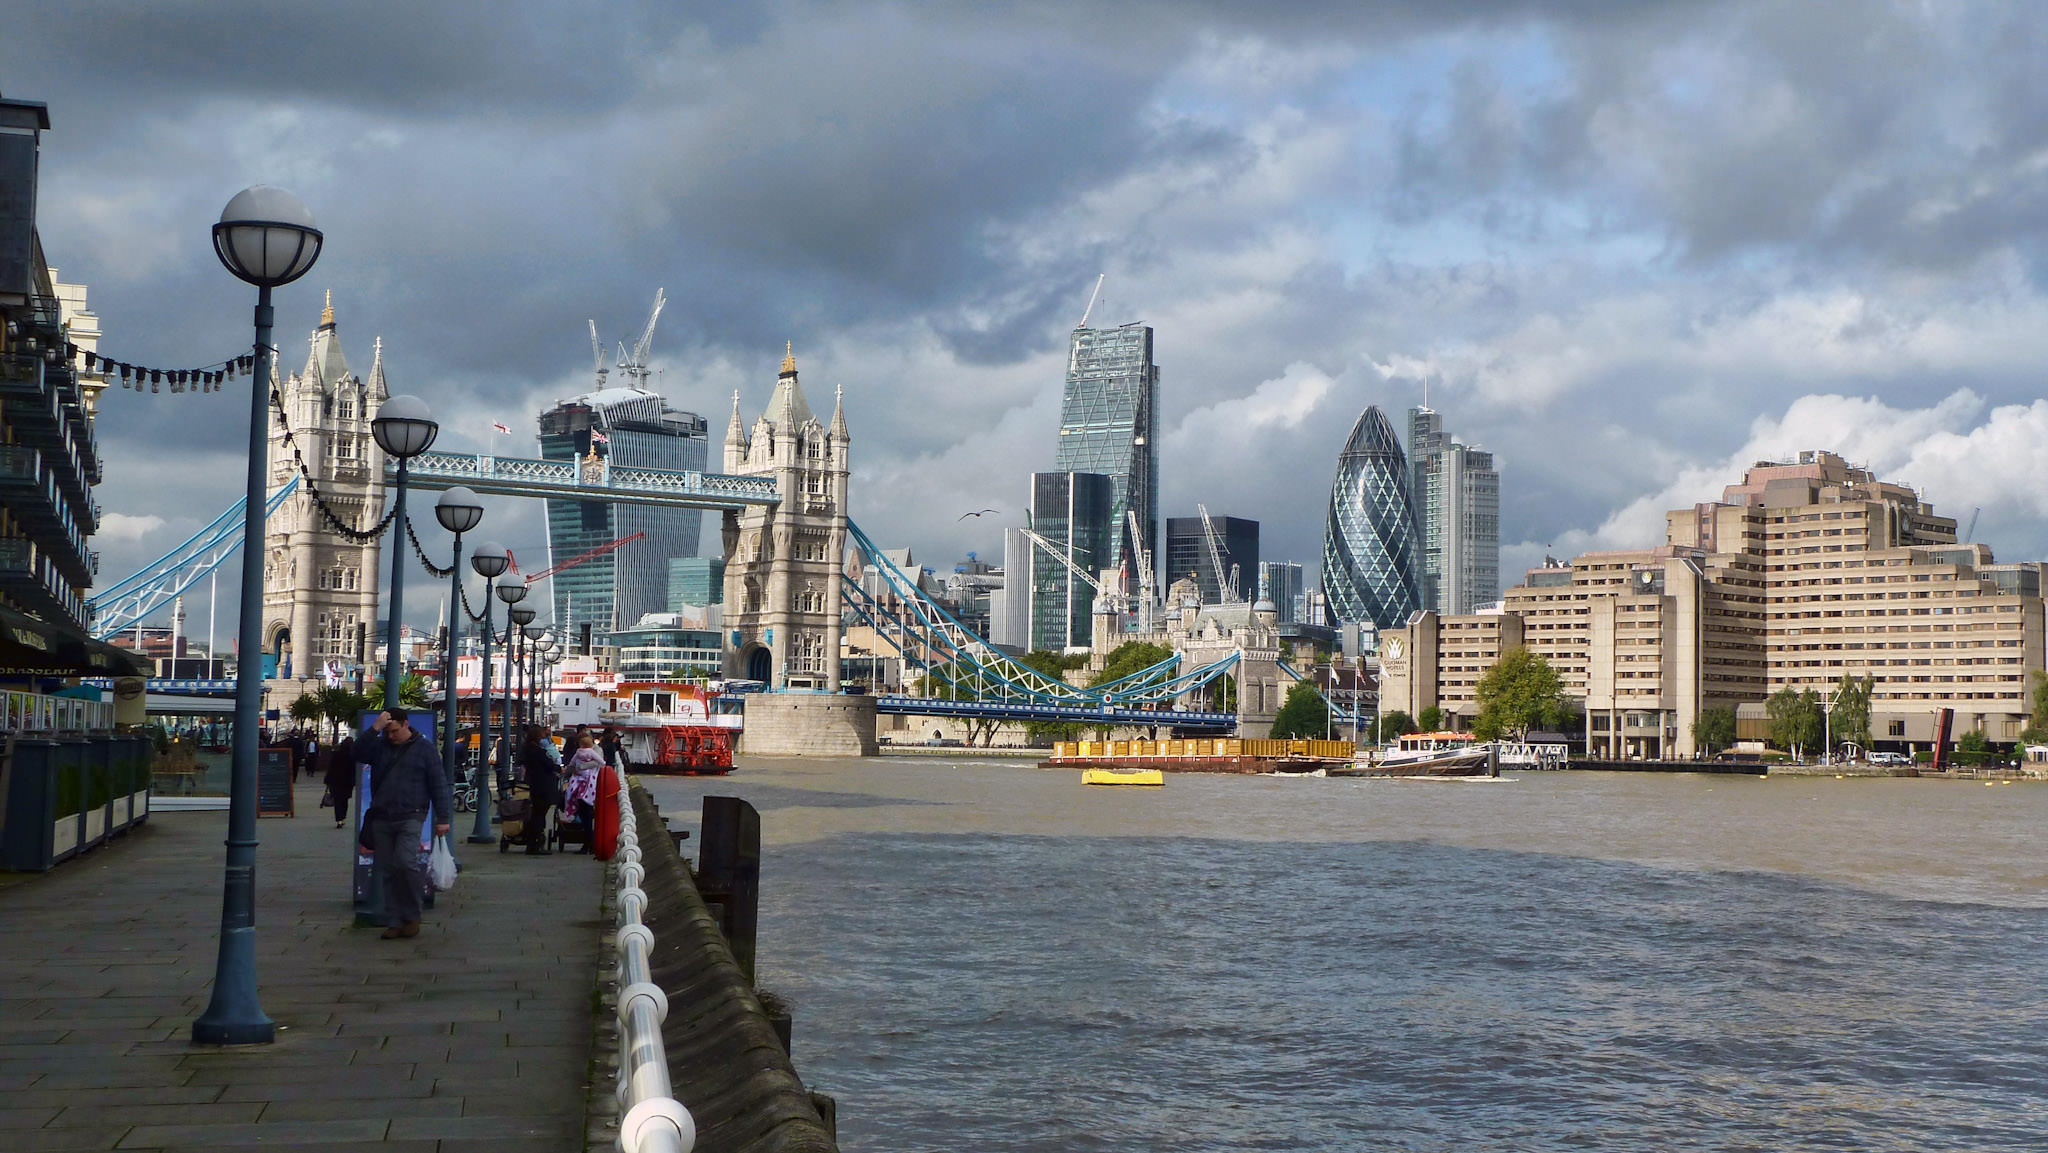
(948, 683)
(1302, 714)
(1796, 721)
(1129, 657)
(1714, 729)
(1395, 725)
(2036, 732)
(306, 708)
(1431, 720)
(1849, 713)
(412, 691)
(1520, 692)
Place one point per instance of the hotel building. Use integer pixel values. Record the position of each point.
(1803, 573)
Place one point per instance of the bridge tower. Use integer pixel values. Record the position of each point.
(783, 564)
(317, 585)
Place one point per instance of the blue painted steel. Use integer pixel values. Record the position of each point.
(1337, 711)
(586, 480)
(994, 683)
(1016, 711)
(119, 606)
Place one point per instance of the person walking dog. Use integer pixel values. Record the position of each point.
(406, 777)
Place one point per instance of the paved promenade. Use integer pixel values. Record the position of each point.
(474, 1035)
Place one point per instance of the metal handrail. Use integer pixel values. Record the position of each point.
(651, 1120)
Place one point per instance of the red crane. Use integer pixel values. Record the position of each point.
(578, 559)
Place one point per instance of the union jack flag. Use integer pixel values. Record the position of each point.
(597, 437)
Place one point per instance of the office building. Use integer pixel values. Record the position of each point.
(1369, 566)
(1109, 414)
(695, 581)
(1285, 584)
(632, 428)
(660, 645)
(1804, 572)
(1456, 493)
(1072, 511)
(1237, 546)
(1009, 611)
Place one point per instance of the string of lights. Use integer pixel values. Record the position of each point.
(207, 378)
(341, 528)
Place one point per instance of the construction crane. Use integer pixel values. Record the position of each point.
(1052, 550)
(633, 365)
(1147, 596)
(1970, 534)
(597, 351)
(1091, 300)
(579, 558)
(1214, 540)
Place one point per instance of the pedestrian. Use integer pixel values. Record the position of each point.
(341, 777)
(537, 761)
(579, 794)
(614, 752)
(406, 780)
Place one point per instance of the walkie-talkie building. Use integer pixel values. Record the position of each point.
(1369, 539)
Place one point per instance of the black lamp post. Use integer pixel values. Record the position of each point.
(459, 511)
(534, 634)
(511, 589)
(267, 238)
(404, 428)
(522, 619)
(490, 561)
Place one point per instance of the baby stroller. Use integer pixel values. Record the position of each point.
(515, 808)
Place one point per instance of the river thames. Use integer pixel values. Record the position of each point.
(987, 956)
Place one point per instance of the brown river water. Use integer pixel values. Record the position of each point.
(986, 955)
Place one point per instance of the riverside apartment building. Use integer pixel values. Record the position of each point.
(1802, 573)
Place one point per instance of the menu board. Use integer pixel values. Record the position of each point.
(274, 782)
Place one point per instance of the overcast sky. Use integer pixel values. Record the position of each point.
(1631, 247)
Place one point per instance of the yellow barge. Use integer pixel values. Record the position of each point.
(1199, 755)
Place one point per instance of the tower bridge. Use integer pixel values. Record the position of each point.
(787, 543)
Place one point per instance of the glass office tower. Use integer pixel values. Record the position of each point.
(1187, 551)
(1369, 539)
(1109, 414)
(641, 430)
(1072, 511)
(1456, 494)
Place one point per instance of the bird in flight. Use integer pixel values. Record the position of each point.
(965, 515)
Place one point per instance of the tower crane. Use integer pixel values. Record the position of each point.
(1052, 550)
(597, 351)
(1147, 595)
(633, 365)
(1970, 534)
(579, 558)
(1091, 300)
(1228, 592)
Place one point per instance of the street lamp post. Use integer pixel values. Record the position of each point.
(459, 511)
(522, 617)
(511, 588)
(533, 652)
(404, 428)
(267, 238)
(490, 561)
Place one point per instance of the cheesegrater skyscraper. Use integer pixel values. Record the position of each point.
(1109, 415)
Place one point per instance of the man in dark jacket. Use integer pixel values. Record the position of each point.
(543, 783)
(406, 778)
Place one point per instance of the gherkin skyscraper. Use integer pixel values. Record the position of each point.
(1369, 545)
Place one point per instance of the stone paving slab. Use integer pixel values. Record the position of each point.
(473, 1035)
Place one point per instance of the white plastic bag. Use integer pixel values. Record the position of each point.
(441, 865)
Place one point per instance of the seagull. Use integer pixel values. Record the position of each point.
(965, 515)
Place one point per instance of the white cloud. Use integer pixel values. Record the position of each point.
(121, 526)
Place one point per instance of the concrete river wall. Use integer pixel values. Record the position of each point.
(728, 1059)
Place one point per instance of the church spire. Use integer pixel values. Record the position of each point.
(736, 433)
(838, 429)
(378, 390)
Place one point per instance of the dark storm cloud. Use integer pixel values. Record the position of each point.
(1640, 211)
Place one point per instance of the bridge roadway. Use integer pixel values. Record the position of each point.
(586, 480)
(1085, 714)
